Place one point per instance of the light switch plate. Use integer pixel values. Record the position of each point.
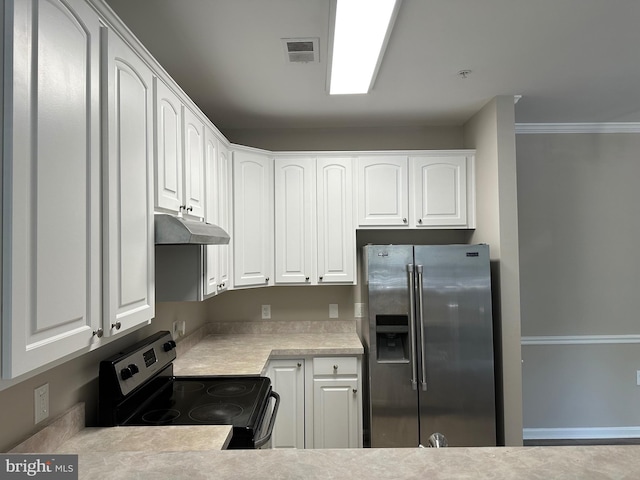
(266, 312)
(358, 310)
(333, 310)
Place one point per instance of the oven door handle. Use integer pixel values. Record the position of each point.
(261, 441)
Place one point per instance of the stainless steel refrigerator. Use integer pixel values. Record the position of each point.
(430, 346)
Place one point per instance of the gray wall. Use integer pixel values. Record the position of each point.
(579, 222)
(492, 133)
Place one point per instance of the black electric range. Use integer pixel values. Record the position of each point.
(137, 387)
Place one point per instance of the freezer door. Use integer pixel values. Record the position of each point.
(456, 345)
(393, 401)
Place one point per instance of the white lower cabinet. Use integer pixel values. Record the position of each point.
(287, 379)
(320, 402)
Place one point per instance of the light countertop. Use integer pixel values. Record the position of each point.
(249, 353)
(517, 463)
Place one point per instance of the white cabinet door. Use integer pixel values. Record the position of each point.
(335, 413)
(168, 126)
(287, 379)
(335, 222)
(210, 286)
(383, 198)
(51, 189)
(224, 215)
(252, 219)
(128, 246)
(439, 191)
(294, 219)
(194, 158)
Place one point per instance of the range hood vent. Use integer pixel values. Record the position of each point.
(173, 230)
(301, 50)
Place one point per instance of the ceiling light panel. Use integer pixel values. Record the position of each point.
(361, 30)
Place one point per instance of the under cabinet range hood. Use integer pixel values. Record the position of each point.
(174, 230)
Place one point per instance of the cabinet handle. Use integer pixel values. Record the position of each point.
(420, 221)
(182, 207)
(266, 280)
(306, 279)
(98, 333)
(355, 390)
(335, 368)
(116, 325)
(190, 209)
(404, 220)
(299, 364)
(320, 278)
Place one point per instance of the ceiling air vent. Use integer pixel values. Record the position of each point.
(301, 50)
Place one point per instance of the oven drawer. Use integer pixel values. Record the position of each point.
(335, 366)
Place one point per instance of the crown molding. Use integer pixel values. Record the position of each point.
(612, 127)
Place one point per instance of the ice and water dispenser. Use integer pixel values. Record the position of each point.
(392, 338)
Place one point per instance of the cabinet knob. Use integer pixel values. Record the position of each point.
(335, 368)
(299, 364)
(420, 221)
(116, 325)
(404, 220)
(306, 279)
(320, 278)
(355, 390)
(266, 280)
(98, 333)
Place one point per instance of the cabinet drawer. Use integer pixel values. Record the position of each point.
(335, 366)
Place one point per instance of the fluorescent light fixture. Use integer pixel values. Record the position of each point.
(360, 34)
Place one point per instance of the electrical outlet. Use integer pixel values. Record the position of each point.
(41, 402)
(358, 310)
(182, 327)
(175, 332)
(266, 312)
(333, 310)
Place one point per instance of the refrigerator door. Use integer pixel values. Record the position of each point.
(455, 345)
(393, 400)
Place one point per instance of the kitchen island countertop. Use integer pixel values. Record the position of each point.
(518, 463)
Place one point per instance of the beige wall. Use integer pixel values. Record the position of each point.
(578, 201)
(492, 133)
(76, 380)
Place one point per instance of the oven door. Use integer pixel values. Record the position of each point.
(265, 428)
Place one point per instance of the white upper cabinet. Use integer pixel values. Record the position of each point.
(223, 196)
(416, 190)
(383, 199)
(179, 155)
(128, 244)
(439, 190)
(194, 158)
(51, 182)
(211, 251)
(295, 192)
(252, 218)
(335, 220)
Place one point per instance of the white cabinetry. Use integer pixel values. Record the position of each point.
(217, 189)
(320, 402)
(128, 245)
(337, 403)
(179, 155)
(252, 218)
(51, 189)
(383, 198)
(335, 221)
(314, 230)
(417, 190)
(287, 379)
(439, 190)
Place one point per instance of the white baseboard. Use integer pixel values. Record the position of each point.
(579, 433)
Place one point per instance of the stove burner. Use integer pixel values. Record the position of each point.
(186, 387)
(230, 389)
(216, 413)
(161, 417)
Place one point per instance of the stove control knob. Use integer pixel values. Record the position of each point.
(134, 368)
(170, 345)
(126, 373)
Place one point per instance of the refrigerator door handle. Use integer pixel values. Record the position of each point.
(423, 361)
(412, 327)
